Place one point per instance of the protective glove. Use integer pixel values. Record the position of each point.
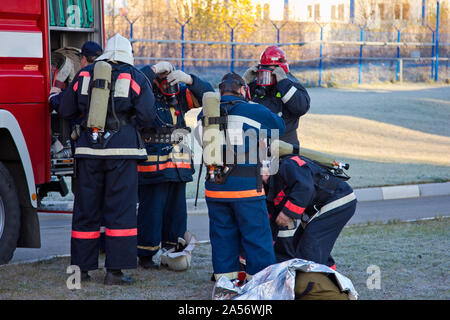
(279, 74)
(250, 74)
(162, 67)
(63, 73)
(178, 76)
(54, 90)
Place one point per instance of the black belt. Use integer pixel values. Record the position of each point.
(245, 172)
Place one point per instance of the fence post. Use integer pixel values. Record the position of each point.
(321, 54)
(182, 48)
(400, 70)
(436, 69)
(232, 45)
(432, 54)
(398, 55)
(361, 38)
(432, 50)
(182, 39)
(131, 27)
(232, 50)
(278, 31)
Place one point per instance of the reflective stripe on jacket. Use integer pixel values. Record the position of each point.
(132, 96)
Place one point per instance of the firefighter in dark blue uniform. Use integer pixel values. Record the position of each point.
(106, 162)
(235, 198)
(308, 207)
(272, 85)
(89, 52)
(162, 215)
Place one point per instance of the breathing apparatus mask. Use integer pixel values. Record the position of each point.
(167, 91)
(265, 76)
(265, 79)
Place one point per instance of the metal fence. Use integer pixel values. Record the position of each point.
(349, 54)
(336, 61)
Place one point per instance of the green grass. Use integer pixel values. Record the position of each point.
(413, 258)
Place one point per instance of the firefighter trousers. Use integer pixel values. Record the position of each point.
(236, 226)
(315, 241)
(107, 193)
(162, 216)
(283, 240)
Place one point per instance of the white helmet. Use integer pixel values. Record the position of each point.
(118, 48)
(180, 262)
(179, 259)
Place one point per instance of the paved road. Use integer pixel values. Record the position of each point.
(55, 228)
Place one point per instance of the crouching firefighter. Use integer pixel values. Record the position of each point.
(230, 129)
(115, 101)
(309, 203)
(162, 213)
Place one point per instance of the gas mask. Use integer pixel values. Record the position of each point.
(264, 79)
(169, 92)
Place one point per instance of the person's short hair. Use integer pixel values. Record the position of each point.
(91, 59)
(91, 50)
(231, 82)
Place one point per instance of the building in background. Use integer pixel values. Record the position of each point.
(306, 10)
(379, 12)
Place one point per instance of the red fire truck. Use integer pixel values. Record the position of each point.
(30, 30)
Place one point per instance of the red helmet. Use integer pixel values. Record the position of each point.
(273, 55)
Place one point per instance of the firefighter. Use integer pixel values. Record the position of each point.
(272, 85)
(233, 191)
(89, 52)
(162, 214)
(308, 207)
(115, 100)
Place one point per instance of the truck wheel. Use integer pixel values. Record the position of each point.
(9, 215)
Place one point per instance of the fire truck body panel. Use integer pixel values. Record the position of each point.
(9, 122)
(26, 42)
(24, 77)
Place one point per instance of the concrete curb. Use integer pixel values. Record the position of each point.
(402, 192)
(365, 194)
(362, 194)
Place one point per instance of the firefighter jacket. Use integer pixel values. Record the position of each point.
(170, 162)
(245, 121)
(301, 187)
(133, 101)
(287, 98)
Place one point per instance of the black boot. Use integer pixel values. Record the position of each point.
(147, 262)
(116, 277)
(85, 276)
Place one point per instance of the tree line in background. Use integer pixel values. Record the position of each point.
(212, 20)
